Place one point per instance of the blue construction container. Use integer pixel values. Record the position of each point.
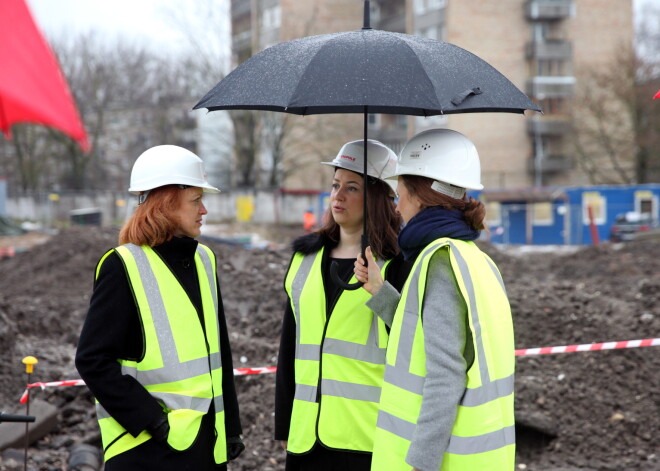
(560, 215)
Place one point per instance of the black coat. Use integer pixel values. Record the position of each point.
(113, 330)
(319, 458)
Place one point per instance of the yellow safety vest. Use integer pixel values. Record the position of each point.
(483, 436)
(339, 364)
(177, 368)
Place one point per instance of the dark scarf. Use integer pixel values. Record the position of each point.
(431, 224)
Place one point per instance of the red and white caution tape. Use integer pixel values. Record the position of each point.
(587, 347)
(80, 382)
(254, 371)
(50, 384)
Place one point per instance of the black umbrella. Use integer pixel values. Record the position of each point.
(366, 71)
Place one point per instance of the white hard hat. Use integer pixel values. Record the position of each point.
(381, 160)
(168, 165)
(444, 155)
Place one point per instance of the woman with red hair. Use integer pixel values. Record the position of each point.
(154, 348)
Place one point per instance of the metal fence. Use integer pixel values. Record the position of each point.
(258, 206)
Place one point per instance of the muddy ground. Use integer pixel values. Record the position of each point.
(586, 411)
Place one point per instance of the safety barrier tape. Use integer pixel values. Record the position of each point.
(587, 347)
(80, 382)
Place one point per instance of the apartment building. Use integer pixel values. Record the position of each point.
(545, 47)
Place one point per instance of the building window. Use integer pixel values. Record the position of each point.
(554, 106)
(373, 121)
(542, 214)
(598, 205)
(374, 13)
(432, 32)
(493, 214)
(646, 203)
(423, 6)
(427, 122)
(271, 17)
(551, 67)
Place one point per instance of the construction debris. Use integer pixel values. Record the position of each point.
(582, 410)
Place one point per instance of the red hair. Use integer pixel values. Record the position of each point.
(153, 223)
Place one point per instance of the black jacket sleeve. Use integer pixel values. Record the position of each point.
(112, 330)
(285, 383)
(230, 399)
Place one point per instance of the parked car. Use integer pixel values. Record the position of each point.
(629, 225)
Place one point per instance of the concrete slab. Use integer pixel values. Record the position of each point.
(12, 434)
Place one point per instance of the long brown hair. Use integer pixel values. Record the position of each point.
(474, 210)
(152, 222)
(383, 222)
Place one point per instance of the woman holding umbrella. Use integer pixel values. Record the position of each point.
(154, 348)
(332, 351)
(447, 398)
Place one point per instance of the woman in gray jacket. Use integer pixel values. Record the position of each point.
(447, 398)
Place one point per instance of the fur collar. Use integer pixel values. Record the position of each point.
(311, 243)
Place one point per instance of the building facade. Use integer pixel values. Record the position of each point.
(543, 46)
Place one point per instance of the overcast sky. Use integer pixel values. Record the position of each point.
(142, 20)
(137, 18)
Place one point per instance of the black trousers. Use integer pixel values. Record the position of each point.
(321, 458)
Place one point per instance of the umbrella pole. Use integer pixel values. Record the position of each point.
(334, 268)
(365, 235)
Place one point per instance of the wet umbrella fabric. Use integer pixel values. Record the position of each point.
(32, 86)
(657, 95)
(366, 71)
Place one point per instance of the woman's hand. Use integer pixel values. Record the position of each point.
(369, 275)
(284, 444)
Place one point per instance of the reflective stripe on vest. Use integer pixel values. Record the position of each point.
(178, 369)
(483, 434)
(347, 351)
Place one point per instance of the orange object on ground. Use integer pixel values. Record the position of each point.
(309, 221)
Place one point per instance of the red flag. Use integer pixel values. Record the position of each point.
(657, 95)
(32, 86)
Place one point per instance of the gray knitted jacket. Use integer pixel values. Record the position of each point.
(449, 354)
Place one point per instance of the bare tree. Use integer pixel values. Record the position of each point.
(205, 27)
(259, 137)
(129, 99)
(617, 126)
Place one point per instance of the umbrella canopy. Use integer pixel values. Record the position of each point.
(657, 95)
(32, 86)
(367, 70)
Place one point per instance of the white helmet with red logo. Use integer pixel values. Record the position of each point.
(444, 155)
(381, 160)
(168, 165)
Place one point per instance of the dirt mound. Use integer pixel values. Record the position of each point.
(596, 410)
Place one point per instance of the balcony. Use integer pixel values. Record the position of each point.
(545, 10)
(240, 9)
(551, 87)
(396, 24)
(430, 19)
(551, 49)
(545, 126)
(550, 164)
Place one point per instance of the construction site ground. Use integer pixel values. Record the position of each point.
(575, 411)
